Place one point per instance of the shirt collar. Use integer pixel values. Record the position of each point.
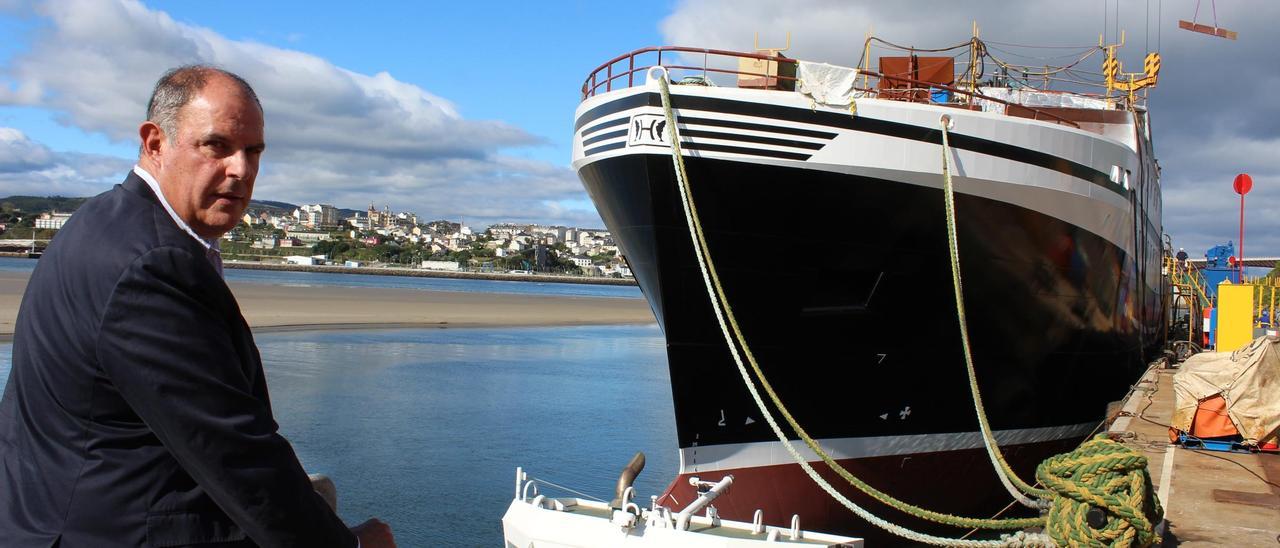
(155, 187)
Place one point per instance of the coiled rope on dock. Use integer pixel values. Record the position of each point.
(1103, 496)
(734, 337)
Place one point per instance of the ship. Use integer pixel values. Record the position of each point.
(820, 193)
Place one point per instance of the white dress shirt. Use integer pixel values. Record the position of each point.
(212, 252)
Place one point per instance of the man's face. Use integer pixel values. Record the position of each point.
(207, 170)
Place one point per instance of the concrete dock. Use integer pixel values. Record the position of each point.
(1210, 498)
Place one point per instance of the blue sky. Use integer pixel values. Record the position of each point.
(464, 109)
(520, 62)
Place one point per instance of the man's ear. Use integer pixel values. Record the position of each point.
(153, 139)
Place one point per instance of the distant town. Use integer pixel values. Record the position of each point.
(321, 234)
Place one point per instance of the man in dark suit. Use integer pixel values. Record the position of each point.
(136, 412)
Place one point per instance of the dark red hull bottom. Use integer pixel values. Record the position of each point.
(954, 482)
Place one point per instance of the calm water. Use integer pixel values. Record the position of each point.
(424, 428)
(11, 264)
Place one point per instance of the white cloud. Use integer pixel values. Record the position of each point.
(333, 135)
(30, 168)
(18, 153)
(1215, 111)
(481, 190)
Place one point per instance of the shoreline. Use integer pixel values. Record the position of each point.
(422, 273)
(272, 308)
(410, 272)
(295, 328)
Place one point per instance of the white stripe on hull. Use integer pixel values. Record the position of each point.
(747, 455)
(1082, 203)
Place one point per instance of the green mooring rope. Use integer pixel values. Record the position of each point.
(1020, 490)
(1109, 480)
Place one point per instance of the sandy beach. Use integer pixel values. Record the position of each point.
(287, 308)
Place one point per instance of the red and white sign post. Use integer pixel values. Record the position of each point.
(1242, 184)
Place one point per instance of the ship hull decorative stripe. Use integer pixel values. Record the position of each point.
(745, 455)
(604, 125)
(705, 145)
(613, 107)
(694, 133)
(605, 148)
(712, 147)
(604, 137)
(1069, 199)
(862, 124)
(698, 121)
(704, 134)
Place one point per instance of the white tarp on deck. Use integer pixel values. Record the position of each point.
(1247, 379)
(1035, 98)
(827, 84)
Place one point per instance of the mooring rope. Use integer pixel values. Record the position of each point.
(1008, 478)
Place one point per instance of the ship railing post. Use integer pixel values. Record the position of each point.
(519, 480)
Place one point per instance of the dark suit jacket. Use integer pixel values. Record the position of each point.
(136, 411)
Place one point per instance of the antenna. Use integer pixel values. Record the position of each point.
(866, 56)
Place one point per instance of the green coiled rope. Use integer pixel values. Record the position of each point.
(1110, 481)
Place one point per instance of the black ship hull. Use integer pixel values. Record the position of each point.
(841, 281)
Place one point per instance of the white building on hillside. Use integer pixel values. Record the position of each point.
(318, 215)
(308, 236)
(52, 220)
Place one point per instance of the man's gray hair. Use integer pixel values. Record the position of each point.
(178, 86)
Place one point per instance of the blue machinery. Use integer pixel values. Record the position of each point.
(1197, 299)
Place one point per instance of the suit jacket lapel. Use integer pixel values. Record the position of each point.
(242, 336)
(133, 183)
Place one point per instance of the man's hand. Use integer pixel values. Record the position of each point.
(374, 534)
